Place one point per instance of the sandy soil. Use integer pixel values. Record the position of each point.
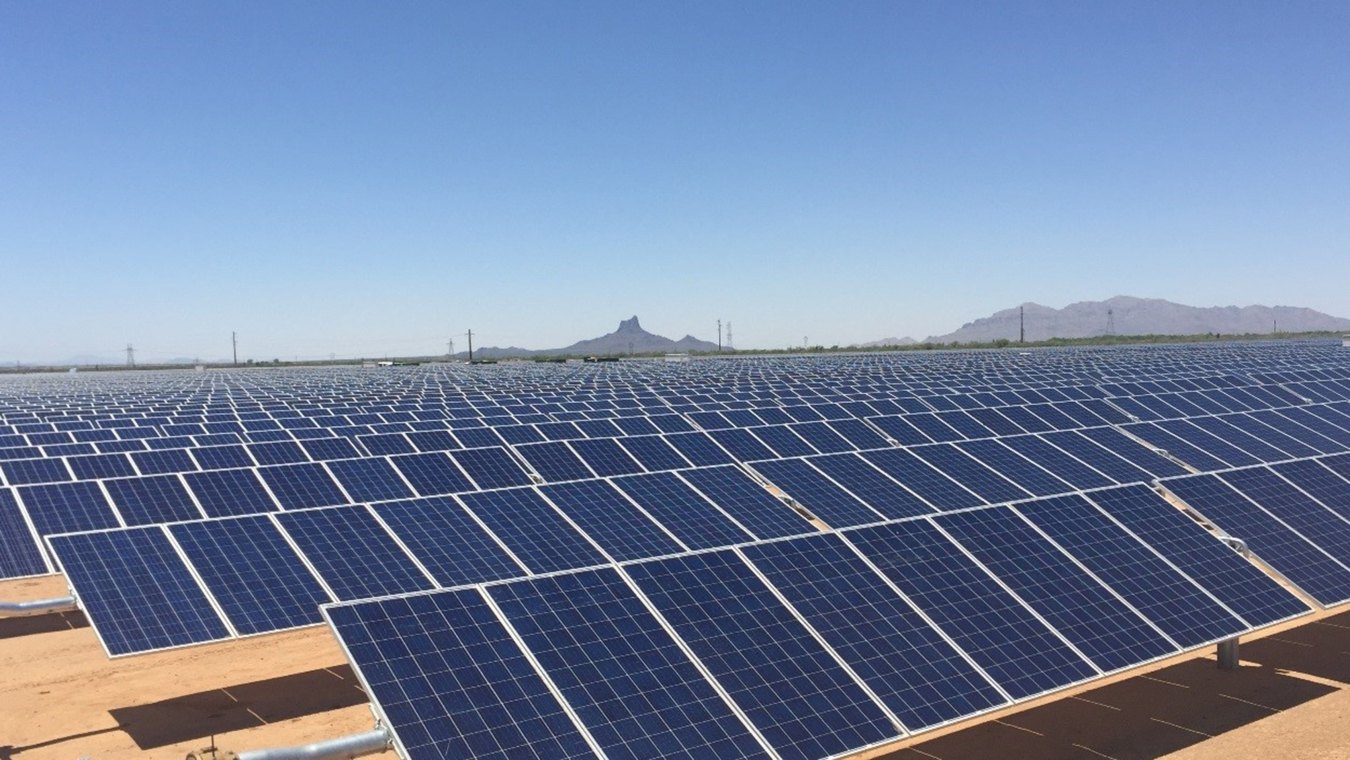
(63, 698)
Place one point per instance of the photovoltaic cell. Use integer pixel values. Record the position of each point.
(19, 553)
(258, 579)
(684, 512)
(451, 681)
(808, 487)
(921, 478)
(1231, 579)
(152, 499)
(620, 528)
(1008, 463)
(1103, 628)
(67, 507)
(1098, 457)
(917, 673)
(456, 550)
(1173, 602)
(605, 457)
(352, 552)
(871, 485)
(223, 493)
(1017, 650)
(299, 486)
(533, 530)
(491, 467)
(747, 502)
(699, 449)
(432, 473)
(554, 461)
(801, 700)
(654, 453)
(992, 487)
(139, 594)
(630, 684)
(372, 479)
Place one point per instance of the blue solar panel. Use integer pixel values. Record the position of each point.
(163, 462)
(451, 681)
(921, 478)
(900, 429)
(101, 466)
(222, 493)
(1127, 448)
(1291, 429)
(1337, 436)
(1275, 541)
(621, 671)
(221, 457)
(685, 513)
(137, 590)
(280, 452)
(1099, 457)
(533, 530)
(699, 449)
(454, 548)
(605, 457)
(1165, 596)
(373, 479)
(919, 675)
(622, 529)
(1093, 619)
(152, 499)
(19, 552)
(67, 507)
(1310, 475)
(803, 703)
(1220, 427)
(491, 467)
(261, 583)
(744, 446)
(824, 498)
(747, 502)
(26, 471)
(654, 453)
(298, 486)
(442, 440)
(329, 448)
(1024, 473)
(432, 473)
(1064, 466)
(783, 441)
(826, 440)
(991, 486)
(554, 461)
(871, 485)
(1194, 436)
(1232, 580)
(1017, 650)
(352, 552)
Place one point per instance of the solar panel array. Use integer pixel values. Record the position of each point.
(782, 557)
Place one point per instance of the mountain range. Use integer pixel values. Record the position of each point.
(629, 338)
(1126, 315)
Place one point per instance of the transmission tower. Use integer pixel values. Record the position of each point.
(731, 346)
(131, 356)
(1110, 321)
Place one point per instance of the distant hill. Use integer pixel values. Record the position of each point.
(884, 342)
(629, 338)
(1126, 315)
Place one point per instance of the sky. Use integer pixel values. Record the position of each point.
(367, 179)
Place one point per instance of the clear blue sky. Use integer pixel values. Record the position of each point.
(367, 178)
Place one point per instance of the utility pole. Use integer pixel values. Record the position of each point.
(1274, 326)
(234, 340)
(470, 334)
(131, 356)
(731, 346)
(1110, 321)
(719, 336)
(450, 344)
(1021, 324)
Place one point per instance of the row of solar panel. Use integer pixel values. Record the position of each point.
(941, 476)
(807, 647)
(1295, 516)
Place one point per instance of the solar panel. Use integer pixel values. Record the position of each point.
(989, 485)
(163, 462)
(871, 485)
(1323, 484)
(742, 445)
(1232, 580)
(222, 493)
(605, 457)
(915, 671)
(824, 439)
(29, 471)
(67, 507)
(783, 441)
(1172, 601)
(451, 681)
(817, 493)
(19, 552)
(101, 466)
(1064, 466)
(1022, 472)
(1271, 538)
(298, 486)
(1004, 638)
(747, 502)
(683, 511)
(699, 449)
(554, 461)
(923, 479)
(137, 590)
(260, 582)
(432, 473)
(654, 453)
(789, 686)
(152, 499)
(534, 531)
(320, 449)
(1121, 445)
(221, 457)
(279, 452)
(615, 523)
(1099, 624)
(372, 479)
(354, 555)
(491, 467)
(621, 671)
